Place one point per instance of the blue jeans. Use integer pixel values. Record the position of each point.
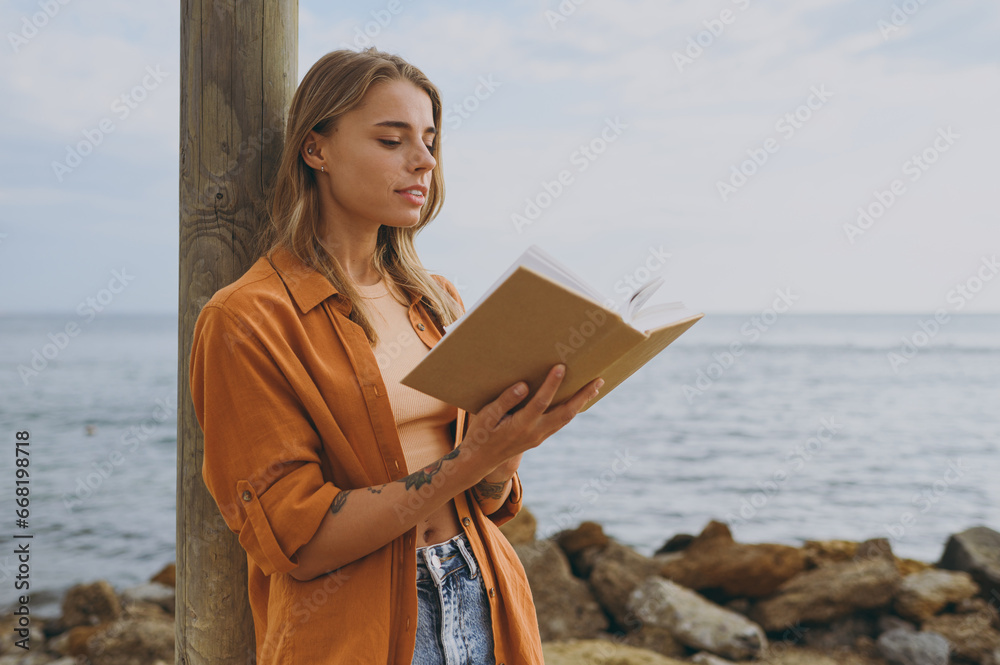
(453, 612)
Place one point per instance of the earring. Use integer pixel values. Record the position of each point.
(323, 169)
(310, 151)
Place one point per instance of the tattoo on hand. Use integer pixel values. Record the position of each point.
(487, 490)
(424, 476)
(338, 501)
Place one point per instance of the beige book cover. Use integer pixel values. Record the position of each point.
(536, 315)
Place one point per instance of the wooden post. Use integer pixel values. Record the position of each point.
(238, 75)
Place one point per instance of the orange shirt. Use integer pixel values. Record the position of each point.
(294, 409)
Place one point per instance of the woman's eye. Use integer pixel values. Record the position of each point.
(390, 142)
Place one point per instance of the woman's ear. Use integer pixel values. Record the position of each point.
(312, 150)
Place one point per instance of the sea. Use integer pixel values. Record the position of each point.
(786, 427)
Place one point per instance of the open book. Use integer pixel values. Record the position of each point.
(535, 315)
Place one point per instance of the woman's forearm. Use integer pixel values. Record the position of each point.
(361, 521)
(491, 495)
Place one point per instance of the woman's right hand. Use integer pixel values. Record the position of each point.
(358, 523)
(496, 435)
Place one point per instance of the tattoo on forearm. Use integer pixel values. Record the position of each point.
(338, 501)
(487, 490)
(424, 476)
(376, 490)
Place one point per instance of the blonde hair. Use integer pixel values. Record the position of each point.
(334, 85)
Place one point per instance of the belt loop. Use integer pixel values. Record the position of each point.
(469, 559)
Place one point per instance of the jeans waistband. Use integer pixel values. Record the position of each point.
(438, 561)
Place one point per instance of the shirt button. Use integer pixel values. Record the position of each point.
(420, 326)
(466, 521)
(492, 592)
(246, 495)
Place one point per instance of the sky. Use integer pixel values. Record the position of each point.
(840, 152)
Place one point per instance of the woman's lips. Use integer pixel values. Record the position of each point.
(414, 196)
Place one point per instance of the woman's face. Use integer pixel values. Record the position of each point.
(378, 159)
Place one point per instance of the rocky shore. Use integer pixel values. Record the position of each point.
(699, 599)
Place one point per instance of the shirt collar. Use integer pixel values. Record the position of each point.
(308, 286)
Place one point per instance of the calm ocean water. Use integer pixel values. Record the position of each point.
(810, 432)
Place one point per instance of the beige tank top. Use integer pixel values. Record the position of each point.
(423, 422)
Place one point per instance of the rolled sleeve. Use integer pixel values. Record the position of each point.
(262, 455)
(511, 506)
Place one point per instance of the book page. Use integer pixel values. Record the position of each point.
(540, 261)
(657, 316)
(641, 295)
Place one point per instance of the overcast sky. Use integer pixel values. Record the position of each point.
(725, 145)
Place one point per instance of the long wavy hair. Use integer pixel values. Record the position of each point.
(334, 85)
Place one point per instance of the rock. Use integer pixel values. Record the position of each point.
(880, 548)
(819, 552)
(714, 561)
(924, 594)
(74, 641)
(617, 570)
(89, 605)
(581, 546)
(906, 647)
(142, 609)
(655, 638)
(153, 592)
(586, 535)
(866, 646)
(11, 622)
(910, 566)
(981, 607)
(583, 561)
(781, 654)
(840, 634)
(521, 528)
(677, 543)
(977, 552)
(874, 548)
(695, 621)
(33, 658)
(133, 640)
(705, 658)
(600, 652)
(888, 622)
(564, 605)
(971, 636)
(827, 593)
(36, 658)
(739, 605)
(168, 575)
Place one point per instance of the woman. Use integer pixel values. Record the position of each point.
(368, 511)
